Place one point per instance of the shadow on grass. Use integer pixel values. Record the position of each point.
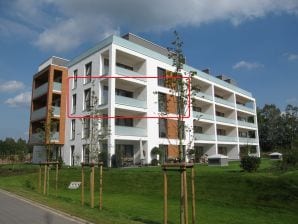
(146, 221)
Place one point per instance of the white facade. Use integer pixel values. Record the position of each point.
(222, 117)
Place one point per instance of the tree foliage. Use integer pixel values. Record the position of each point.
(277, 129)
(9, 146)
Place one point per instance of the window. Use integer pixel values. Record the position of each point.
(86, 153)
(73, 129)
(198, 129)
(72, 155)
(88, 72)
(222, 150)
(218, 96)
(128, 122)
(162, 128)
(124, 66)
(86, 128)
(121, 92)
(181, 128)
(128, 151)
(75, 79)
(87, 99)
(221, 132)
(74, 103)
(161, 73)
(197, 109)
(162, 102)
(220, 114)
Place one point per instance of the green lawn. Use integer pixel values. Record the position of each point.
(135, 195)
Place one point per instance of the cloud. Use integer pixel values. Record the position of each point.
(11, 86)
(247, 65)
(293, 101)
(20, 100)
(291, 57)
(77, 21)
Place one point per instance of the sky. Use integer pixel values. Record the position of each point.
(253, 41)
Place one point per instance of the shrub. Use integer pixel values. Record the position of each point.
(154, 162)
(289, 160)
(250, 163)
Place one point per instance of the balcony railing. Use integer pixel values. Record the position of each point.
(57, 86)
(41, 90)
(130, 131)
(203, 95)
(36, 138)
(204, 137)
(39, 114)
(56, 111)
(245, 108)
(225, 120)
(124, 72)
(226, 138)
(200, 115)
(247, 140)
(127, 101)
(247, 124)
(55, 136)
(224, 102)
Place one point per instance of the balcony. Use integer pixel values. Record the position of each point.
(36, 138)
(245, 108)
(247, 140)
(127, 101)
(57, 86)
(247, 124)
(200, 115)
(39, 114)
(203, 95)
(56, 111)
(225, 120)
(55, 136)
(224, 102)
(204, 137)
(41, 90)
(130, 131)
(226, 138)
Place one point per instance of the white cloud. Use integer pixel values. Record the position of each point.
(292, 57)
(21, 100)
(11, 86)
(247, 65)
(293, 101)
(77, 21)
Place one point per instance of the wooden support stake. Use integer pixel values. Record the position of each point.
(100, 187)
(56, 179)
(165, 195)
(181, 197)
(92, 187)
(39, 180)
(82, 187)
(185, 197)
(48, 180)
(193, 196)
(45, 180)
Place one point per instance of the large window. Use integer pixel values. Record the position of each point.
(162, 128)
(74, 103)
(161, 73)
(73, 129)
(162, 102)
(86, 128)
(87, 99)
(75, 79)
(198, 129)
(221, 132)
(72, 156)
(121, 92)
(128, 122)
(88, 72)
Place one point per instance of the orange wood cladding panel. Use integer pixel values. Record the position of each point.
(172, 129)
(171, 104)
(173, 151)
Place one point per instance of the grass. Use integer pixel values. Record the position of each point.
(135, 195)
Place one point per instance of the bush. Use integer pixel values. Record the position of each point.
(250, 163)
(154, 162)
(289, 160)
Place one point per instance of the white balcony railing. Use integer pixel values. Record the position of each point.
(247, 124)
(247, 140)
(200, 115)
(130, 131)
(245, 108)
(224, 102)
(203, 95)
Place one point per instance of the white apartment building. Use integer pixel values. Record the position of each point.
(119, 71)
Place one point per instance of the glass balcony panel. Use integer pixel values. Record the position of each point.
(57, 86)
(226, 138)
(241, 107)
(203, 95)
(130, 131)
(200, 115)
(41, 90)
(55, 136)
(36, 138)
(204, 137)
(248, 124)
(39, 114)
(247, 140)
(224, 102)
(56, 111)
(225, 120)
(127, 101)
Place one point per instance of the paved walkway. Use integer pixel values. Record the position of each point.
(16, 210)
